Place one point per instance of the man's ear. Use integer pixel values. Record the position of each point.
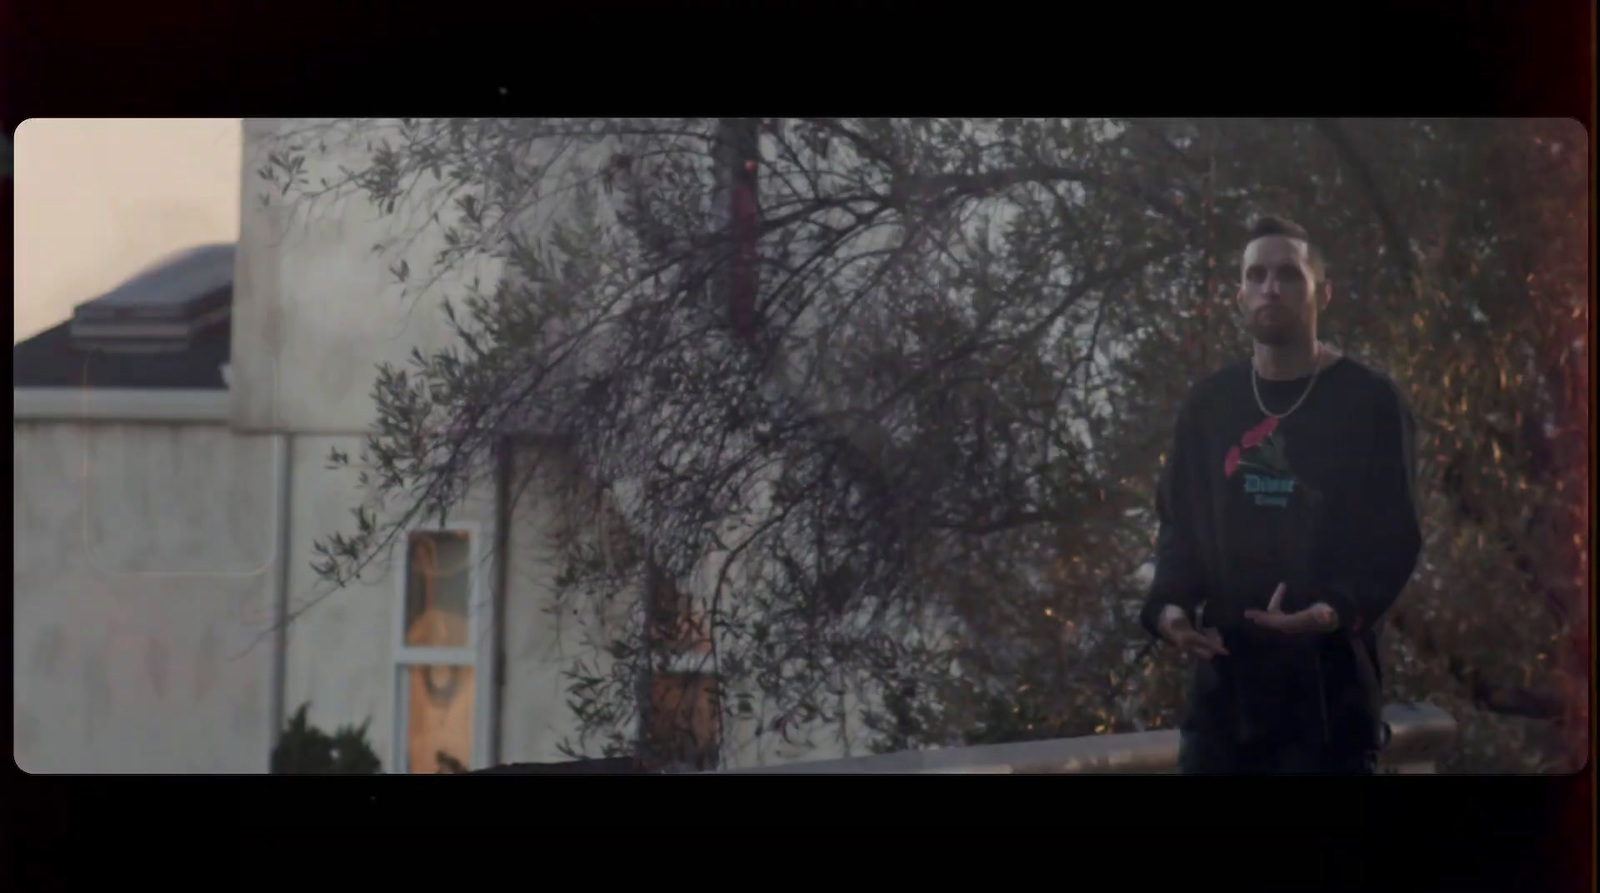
(1325, 294)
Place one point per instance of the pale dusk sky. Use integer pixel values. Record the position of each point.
(100, 199)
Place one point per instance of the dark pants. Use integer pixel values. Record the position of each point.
(1202, 754)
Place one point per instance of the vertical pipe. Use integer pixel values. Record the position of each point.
(738, 148)
(739, 153)
(504, 468)
(280, 600)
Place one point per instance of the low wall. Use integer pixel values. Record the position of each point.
(1417, 736)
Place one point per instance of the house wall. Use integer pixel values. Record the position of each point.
(316, 311)
(540, 641)
(338, 643)
(341, 643)
(143, 578)
(316, 308)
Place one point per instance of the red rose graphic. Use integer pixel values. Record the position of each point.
(1231, 464)
(1259, 433)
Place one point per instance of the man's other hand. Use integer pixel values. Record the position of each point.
(1175, 627)
(1319, 618)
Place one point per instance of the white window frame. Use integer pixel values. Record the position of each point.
(478, 654)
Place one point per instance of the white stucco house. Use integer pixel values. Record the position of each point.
(171, 445)
(170, 463)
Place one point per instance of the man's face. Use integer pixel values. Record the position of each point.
(1278, 294)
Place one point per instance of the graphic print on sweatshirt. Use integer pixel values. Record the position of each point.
(1260, 464)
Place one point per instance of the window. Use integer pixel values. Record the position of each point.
(675, 626)
(680, 717)
(439, 701)
(683, 724)
(685, 720)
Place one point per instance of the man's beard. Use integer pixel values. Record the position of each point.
(1284, 331)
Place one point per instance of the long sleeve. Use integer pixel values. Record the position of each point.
(1180, 572)
(1389, 539)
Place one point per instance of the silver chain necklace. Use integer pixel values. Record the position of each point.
(1316, 370)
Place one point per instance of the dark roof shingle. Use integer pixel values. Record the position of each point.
(51, 359)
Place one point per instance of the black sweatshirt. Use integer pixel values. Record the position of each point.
(1322, 501)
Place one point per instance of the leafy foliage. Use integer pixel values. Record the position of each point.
(900, 457)
(304, 749)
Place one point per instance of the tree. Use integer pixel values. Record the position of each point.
(890, 396)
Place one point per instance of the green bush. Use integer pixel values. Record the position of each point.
(304, 749)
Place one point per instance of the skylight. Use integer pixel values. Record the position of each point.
(163, 307)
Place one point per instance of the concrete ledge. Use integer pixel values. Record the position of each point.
(120, 405)
(1418, 735)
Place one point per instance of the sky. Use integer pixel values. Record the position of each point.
(100, 199)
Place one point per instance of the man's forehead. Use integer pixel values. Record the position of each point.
(1270, 250)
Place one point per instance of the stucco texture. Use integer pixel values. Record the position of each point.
(142, 580)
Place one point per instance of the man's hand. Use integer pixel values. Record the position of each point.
(1319, 618)
(1175, 627)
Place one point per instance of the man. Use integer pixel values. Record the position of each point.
(1287, 529)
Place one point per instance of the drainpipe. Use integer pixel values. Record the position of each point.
(280, 601)
(502, 573)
